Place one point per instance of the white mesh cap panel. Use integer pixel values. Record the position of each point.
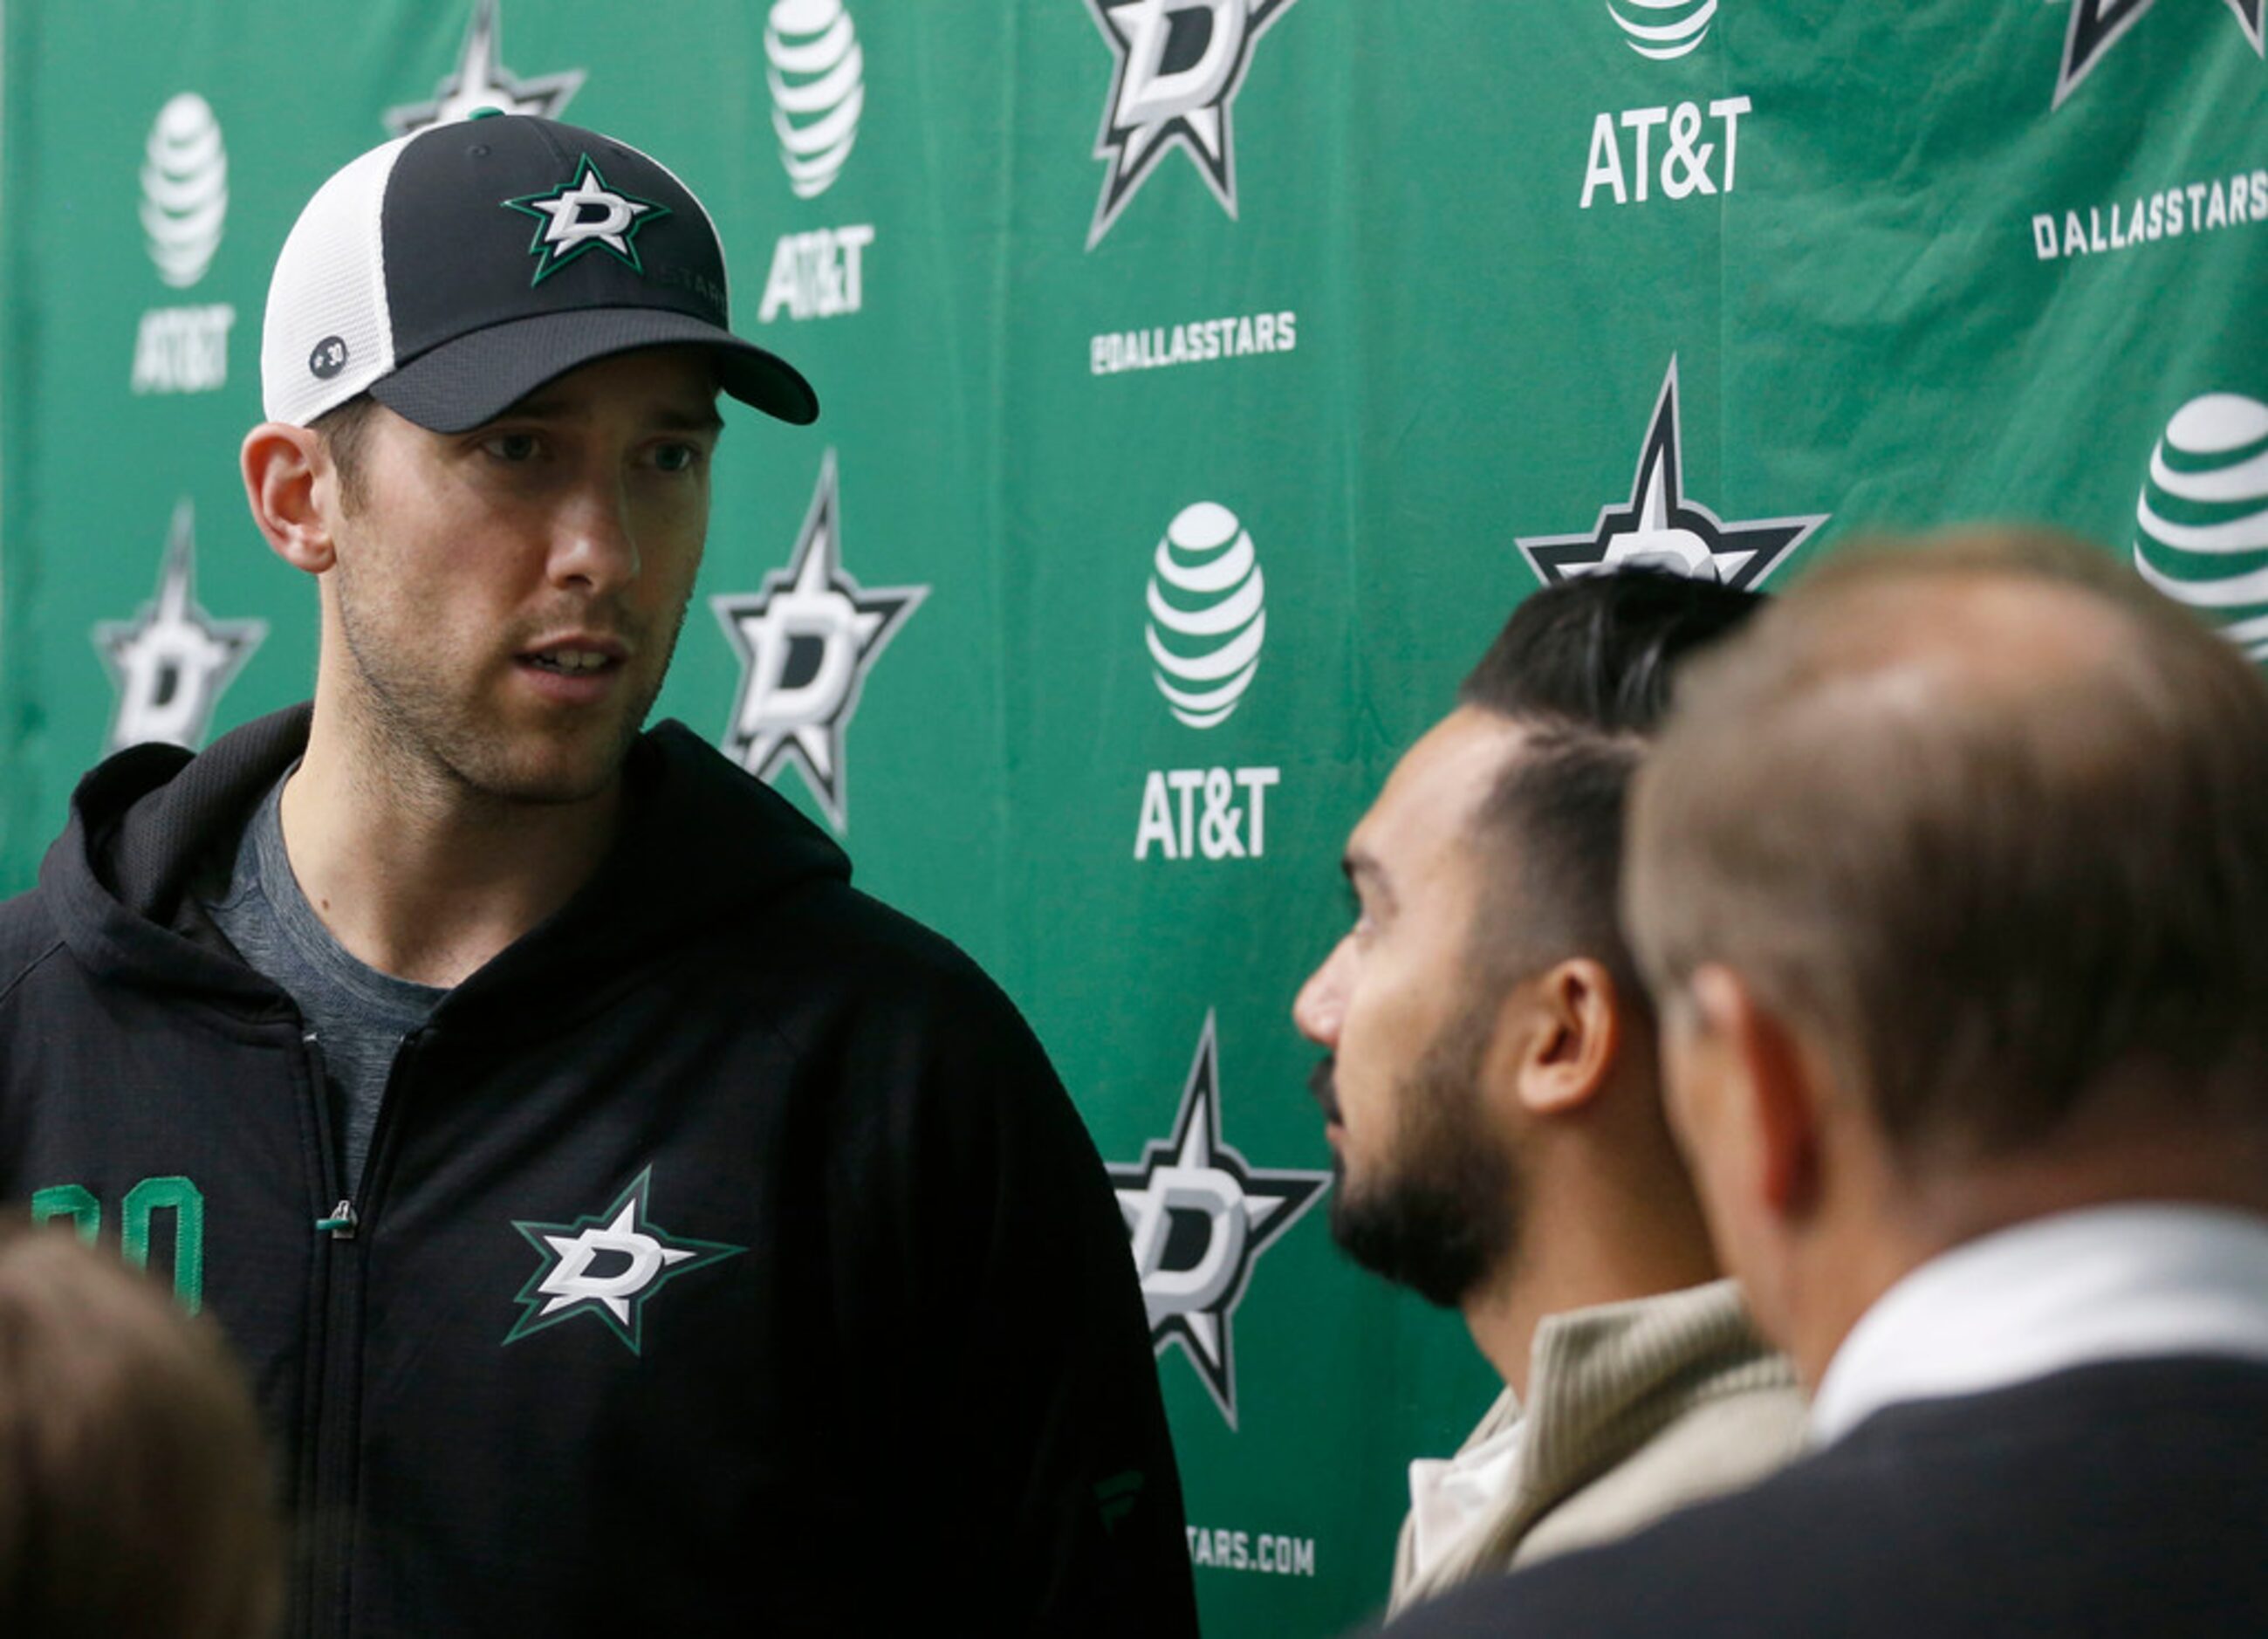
(330, 284)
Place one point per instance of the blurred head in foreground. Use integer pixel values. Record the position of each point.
(134, 1489)
(1951, 876)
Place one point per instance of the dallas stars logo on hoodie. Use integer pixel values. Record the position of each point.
(609, 1266)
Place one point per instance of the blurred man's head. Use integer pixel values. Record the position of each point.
(134, 1489)
(1951, 873)
(1484, 992)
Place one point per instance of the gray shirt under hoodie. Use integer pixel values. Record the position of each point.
(359, 1015)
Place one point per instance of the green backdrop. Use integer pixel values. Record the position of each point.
(1205, 380)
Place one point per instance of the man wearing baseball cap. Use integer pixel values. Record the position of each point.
(630, 1227)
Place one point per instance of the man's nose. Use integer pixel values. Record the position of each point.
(595, 540)
(1322, 1001)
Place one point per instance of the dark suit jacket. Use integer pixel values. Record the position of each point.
(2120, 1499)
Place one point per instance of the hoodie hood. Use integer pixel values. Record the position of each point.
(701, 842)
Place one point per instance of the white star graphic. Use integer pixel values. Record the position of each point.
(1193, 1178)
(1179, 66)
(569, 227)
(170, 662)
(569, 1284)
(1661, 528)
(482, 81)
(806, 641)
(607, 1266)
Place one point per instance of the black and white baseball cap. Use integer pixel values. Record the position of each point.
(452, 272)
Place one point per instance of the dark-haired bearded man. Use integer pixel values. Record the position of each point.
(1495, 1110)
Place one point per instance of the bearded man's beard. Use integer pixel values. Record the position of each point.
(1442, 1215)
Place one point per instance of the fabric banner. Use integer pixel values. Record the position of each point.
(1204, 380)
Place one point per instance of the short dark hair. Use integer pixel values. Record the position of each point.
(344, 429)
(2002, 873)
(1597, 656)
(1587, 666)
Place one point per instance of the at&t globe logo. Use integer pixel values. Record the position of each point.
(184, 207)
(817, 74)
(1663, 29)
(2201, 522)
(184, 189)
(1207, 621)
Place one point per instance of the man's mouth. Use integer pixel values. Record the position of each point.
(571, 662)
(1323, 1083)
(576, 652)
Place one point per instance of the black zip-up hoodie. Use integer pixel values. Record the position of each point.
(728, 1258)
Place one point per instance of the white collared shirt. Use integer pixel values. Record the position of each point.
(1451, 1497)
(2109, 1284)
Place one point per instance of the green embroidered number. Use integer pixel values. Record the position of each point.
(74, 1201)
(177, 1195)
(188, 1208)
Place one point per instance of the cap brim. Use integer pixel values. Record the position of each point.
(476, 378)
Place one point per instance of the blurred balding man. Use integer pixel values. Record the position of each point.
(1951, 873)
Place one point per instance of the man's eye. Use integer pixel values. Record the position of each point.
(512, 446)
(677, 457)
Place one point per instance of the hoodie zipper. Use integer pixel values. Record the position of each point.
(335, 1354)
(324, 1346)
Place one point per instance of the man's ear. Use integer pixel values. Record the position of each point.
(1567, 1029)
(1770, 1095)
(290, 484)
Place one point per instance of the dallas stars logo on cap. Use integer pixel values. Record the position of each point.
(585, 215)
(609, 1266)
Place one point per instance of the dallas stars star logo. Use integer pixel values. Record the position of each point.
(482, 81)
(1659, 527)
(806, 641)
(609, 1266)
(1180, 65)
(2098, 24)
(1198, 1218)
(170, 662)
(569, 228)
